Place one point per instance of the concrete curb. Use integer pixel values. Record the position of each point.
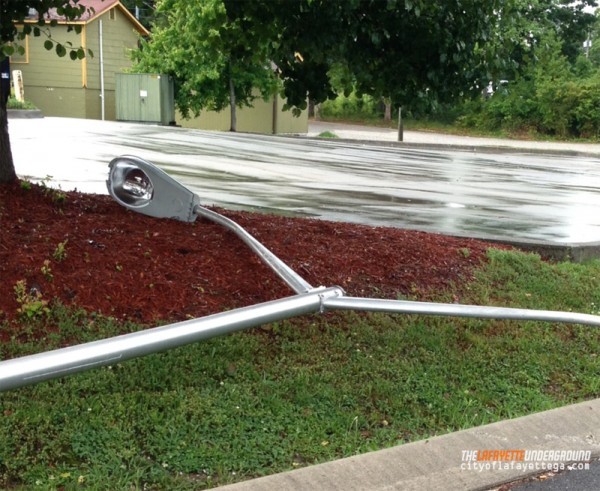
(437, 463)
(492, 148)
(418, 139)
(24, 114)
(573, 251)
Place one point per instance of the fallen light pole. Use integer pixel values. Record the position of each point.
(140, 186)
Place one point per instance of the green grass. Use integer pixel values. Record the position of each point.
(327, 134)
(300, 392)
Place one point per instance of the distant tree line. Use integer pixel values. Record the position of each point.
(549, 82)
(228, 52)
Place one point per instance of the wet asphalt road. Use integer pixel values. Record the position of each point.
(520, 196)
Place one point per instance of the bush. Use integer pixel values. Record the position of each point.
(587, 110)
(15, 104)
(352, 107)
(564, 107)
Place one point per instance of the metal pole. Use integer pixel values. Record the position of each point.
(400, 125)
(66, 361)
(457, 310)
(101, 42)
(36, 368)
(287, 274)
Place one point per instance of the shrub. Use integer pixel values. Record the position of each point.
(15, 104)
(351, 107)
(566, 107)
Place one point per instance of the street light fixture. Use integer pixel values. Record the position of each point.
(143, 187)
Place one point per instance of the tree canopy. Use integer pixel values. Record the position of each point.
(395, 48)
(553, 83)
(216, 61)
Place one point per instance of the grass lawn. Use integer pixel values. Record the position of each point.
(300, 392)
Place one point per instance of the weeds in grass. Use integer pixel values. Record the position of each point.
(31, 304)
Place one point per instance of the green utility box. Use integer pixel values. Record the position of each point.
(145, 97)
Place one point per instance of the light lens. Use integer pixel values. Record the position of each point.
(138, 185)
(131, 185)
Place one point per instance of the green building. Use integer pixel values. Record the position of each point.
(83, 88)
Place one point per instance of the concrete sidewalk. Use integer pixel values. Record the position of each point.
(429, 139)
(440, 463)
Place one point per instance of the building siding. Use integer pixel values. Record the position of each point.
(119, 38)
(58, 101)
(46, 69)
(255, 119)
(66, 88)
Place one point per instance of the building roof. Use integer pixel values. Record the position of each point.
(94, 9)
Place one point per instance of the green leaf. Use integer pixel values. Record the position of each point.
(60, 50)
(73, 55)
(8, 50)
(48, 44)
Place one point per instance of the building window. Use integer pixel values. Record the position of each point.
(18, 57)
(112, 15)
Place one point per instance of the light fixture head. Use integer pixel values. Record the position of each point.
(141, 186)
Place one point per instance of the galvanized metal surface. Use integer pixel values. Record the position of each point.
(287, 274)
(457, 310)
(144, 188)
(36, 368)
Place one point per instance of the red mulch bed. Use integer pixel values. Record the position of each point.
(138, 268)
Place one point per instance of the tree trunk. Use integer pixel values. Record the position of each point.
(7, 166)
(233, 126)
(400, 125)
(387, 116)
